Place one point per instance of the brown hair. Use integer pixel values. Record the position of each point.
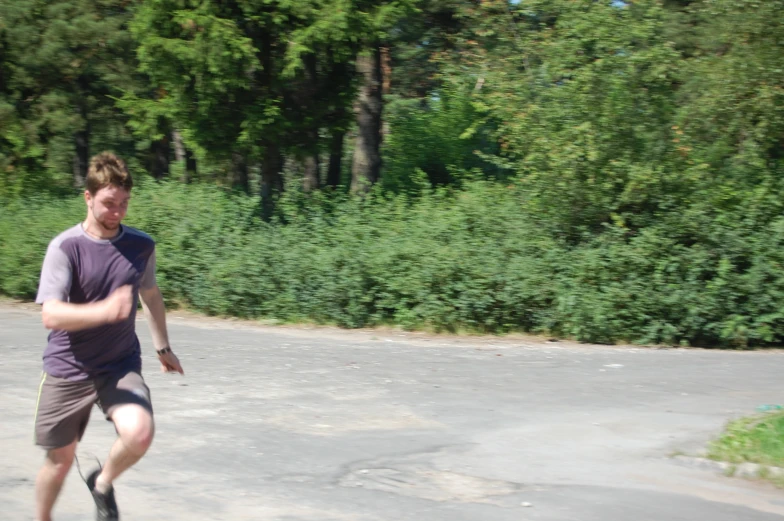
(107, 169)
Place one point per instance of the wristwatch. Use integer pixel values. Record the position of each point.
(163, 351)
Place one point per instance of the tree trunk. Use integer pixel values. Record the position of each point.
(179, 146)
(190, 166)
(271, 179)
(340, 79)
(160, 151)
(366, 166)
(184, 156)
(335, 158)
(386, 71)
(311, 179)
(240, 177)
(81, 160)
(386, 85)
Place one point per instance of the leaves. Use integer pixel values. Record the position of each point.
(605, 170)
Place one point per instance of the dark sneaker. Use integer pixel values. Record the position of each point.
(105, 504)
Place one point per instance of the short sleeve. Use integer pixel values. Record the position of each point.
(56, 276)
(148, 277)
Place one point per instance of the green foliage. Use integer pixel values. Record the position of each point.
(437, 138)
(602, 170)
(444, 260)
(59, 64)
(583, 93)
(23, 242)
(756, 440)
(234, 73)
(201, 63)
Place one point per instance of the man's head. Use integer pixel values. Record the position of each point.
(108, 190)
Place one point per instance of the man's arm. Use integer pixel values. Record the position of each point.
(66, 316)
(155, 311)
(53, 291)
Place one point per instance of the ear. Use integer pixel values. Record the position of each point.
(88, 197)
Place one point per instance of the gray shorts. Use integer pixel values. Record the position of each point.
(64, 407)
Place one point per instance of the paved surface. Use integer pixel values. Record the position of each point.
(284, 424)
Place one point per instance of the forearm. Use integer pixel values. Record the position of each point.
(155, 312)
(65, 316)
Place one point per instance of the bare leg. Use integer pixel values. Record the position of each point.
(136, 429)
(51, 478)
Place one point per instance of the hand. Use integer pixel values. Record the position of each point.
(169, 362)
(119, 304)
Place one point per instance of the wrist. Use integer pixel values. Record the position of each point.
(163, 351)
(105, 312)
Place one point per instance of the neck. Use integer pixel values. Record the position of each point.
(95, 230)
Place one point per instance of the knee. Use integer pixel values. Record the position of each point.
(136, 428)
(139, 438)
(59, 462)
(60, 470)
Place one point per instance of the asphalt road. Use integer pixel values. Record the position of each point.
(294, 424)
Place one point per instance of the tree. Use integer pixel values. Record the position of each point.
(67, 58)
(433, 127)
(366, 166)
(583, 96)
(244, 78)
(732, 100)
(199, 64)
(380, 22)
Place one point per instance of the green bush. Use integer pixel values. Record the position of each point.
(469, 260)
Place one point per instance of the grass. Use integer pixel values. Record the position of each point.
(757, 439)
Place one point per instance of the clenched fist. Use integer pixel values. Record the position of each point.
(119, 304)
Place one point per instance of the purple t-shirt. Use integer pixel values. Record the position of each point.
(80, 269)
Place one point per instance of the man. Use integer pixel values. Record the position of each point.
(91, 280)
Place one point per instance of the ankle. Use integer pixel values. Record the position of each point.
(102, 485)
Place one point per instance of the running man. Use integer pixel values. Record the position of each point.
(92, 277)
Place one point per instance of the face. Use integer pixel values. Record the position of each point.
(108, 206)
